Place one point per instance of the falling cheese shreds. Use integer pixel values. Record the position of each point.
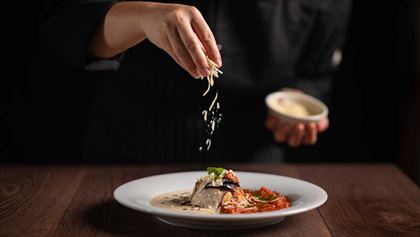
(211, 117)
(208, 142)
(208, 89)
(204, 113)
(214, 101)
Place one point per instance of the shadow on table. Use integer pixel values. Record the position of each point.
(111, 217)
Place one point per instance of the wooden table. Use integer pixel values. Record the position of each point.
(76, 200)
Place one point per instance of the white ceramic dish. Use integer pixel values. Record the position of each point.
(137, 194)
(317, 108)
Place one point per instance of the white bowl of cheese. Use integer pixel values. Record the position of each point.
(295, 107)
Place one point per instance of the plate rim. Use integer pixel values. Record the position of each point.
(225, 217)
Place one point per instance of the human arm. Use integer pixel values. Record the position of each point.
(76, 31)
(179, 30)
(313, 69)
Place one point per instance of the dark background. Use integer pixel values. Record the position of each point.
(375, 110)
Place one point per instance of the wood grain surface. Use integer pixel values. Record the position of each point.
(364, 200)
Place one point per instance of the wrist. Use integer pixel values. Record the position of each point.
(143, 13)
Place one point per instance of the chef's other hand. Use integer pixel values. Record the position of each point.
(297, 134)
(180, 30)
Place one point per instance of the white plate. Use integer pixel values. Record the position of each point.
(137, 194)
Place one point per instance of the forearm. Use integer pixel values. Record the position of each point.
(180, 30)
(120, 30)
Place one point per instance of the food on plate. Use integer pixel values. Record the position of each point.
(219, 192)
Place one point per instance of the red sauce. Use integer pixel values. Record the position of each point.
(261, 200)
(232, 177)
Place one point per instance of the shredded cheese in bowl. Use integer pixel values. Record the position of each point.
(292, 107)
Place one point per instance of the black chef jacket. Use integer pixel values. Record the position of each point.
(144, 107)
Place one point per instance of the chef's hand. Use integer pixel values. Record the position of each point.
(297, 134)
(180, 30)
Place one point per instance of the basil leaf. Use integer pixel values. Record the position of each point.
(271, 197)
(215, 170)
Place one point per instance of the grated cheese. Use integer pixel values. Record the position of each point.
(204, 113)
(208, 142)
(214, 101)
(213, 110)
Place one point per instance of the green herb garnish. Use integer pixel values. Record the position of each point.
(216, 171)
(272, 197)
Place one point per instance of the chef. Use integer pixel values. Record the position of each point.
(144, 60)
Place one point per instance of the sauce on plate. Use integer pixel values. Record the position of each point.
(261, 200)
(177, 201)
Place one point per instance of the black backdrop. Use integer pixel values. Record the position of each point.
(373, 88)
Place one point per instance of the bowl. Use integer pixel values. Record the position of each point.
(296, 107)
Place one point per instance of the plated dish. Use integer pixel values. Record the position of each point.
(219, 192)
(215, 200)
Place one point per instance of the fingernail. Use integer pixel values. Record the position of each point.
(205, 72)
(197, 74)
(219, 62)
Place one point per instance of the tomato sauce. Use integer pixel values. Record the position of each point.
(261, 200)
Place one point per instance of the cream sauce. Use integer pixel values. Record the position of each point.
(178, 201)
